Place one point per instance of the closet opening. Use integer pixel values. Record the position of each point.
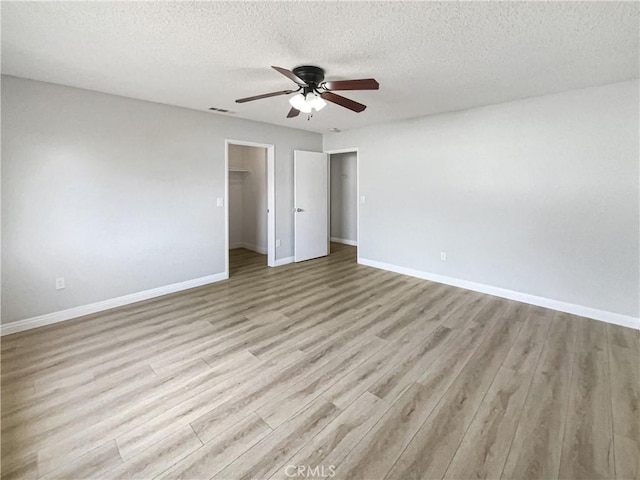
(249, 206)
(343, 199)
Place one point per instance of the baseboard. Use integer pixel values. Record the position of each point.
(249, 246)
(353, 243)
(255, 248)
(283, 261)
(75, 312)
(580, 310)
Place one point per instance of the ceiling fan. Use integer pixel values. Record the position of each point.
(313, 90)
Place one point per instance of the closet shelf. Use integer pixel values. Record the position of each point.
(238, 170)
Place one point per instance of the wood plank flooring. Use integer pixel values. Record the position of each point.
(324, 369)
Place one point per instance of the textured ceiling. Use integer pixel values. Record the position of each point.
(429, 57)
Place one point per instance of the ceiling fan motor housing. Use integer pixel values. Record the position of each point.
(312, 76)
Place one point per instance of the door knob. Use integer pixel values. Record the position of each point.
(298, 210)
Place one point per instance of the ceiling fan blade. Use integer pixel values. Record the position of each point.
(264, 95)
(294, 112)
(361, 84)
(343, 101)
(290, 75)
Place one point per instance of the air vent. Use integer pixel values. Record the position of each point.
(221, 110)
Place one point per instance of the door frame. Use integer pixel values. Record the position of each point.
(271, 198)
(358, 200)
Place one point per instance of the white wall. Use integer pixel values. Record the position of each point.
(344, 197)
(117, 195)
(538, 196)
(236, 222)
(248, 198)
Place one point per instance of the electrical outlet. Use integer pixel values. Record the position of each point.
(277, 243)
(59, 283)
(443, 256)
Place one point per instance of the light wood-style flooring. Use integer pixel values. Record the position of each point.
(325, 369)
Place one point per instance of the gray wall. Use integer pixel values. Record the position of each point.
(539, 196)
(248, 198)
(236, 207)
(117, 195)
(344, 196)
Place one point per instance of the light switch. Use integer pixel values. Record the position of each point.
(220, 202)
(362, 199)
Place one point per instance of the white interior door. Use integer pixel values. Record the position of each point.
(311, 202)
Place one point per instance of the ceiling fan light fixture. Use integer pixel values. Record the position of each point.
(316, 101)
(298, 101)
(305, 107)
(307, 103)
(320, 104)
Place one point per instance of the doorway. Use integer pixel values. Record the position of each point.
(344, 202)
(250, 195)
